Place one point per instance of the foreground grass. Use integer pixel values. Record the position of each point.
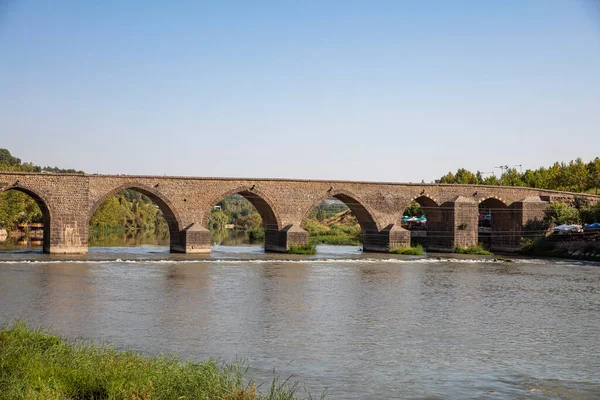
(409, 250)
(476, 249)
(37, 365)
(308, 248)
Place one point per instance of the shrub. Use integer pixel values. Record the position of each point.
(561, 213)
(409, 250)
(336, 234)
(256, 234)
(308, 248)
(476, 249)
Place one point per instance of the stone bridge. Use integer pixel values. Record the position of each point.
(68, 201)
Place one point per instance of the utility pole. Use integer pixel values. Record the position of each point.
(503, 168)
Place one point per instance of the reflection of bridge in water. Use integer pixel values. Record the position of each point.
(67, 202)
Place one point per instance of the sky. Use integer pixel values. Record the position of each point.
(359, 90)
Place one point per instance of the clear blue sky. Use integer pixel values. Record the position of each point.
(369, 90)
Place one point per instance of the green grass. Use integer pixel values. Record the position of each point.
(476, 249)
(37, 365)
(340, 240)
(308, 248)
(336, 234)
(409, 250)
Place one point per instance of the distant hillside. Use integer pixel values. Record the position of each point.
(343, 218)
(10, 163)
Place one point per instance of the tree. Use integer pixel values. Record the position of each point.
(479, 177)
(465, 177)
(590, 214)
(8, 159)
(511, 178)
(491, 180)
(561, 213)
(448, 178)
(16, 207)
(111, 213)
(413, 210)
(578, 175)
(218, 219)
(321, 214)
(594, 174)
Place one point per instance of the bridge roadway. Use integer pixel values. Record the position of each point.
(68, 201)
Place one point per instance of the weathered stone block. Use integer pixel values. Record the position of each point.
(194, 239)
(279, 241)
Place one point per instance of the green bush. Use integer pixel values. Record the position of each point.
(308, 248)
(561, 213)
(37, 365)
(256, 234)
(539, 246)
(476, 249)
(339, 240)
(336, 234)
(409, 250)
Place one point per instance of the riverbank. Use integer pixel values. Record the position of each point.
(38, 365)
(573, 250)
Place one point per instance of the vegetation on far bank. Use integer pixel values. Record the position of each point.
(35, 364)
(334, 233)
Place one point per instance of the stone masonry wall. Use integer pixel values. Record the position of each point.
(186, 202)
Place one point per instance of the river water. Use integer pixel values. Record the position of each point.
(364, 326)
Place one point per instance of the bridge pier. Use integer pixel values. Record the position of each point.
(194, 239)
(279, 241)
(67, 234)
(458, 226)
(526, 217)
(387, 239)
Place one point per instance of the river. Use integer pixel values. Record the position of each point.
(365, 326)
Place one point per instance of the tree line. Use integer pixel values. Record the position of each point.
(574, 176)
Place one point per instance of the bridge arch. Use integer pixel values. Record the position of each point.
(496, 205)
(260, 201)
(429, 204)
(424, 232)
(168, 210)
(359, 208)
(497, 224)
(43, 205)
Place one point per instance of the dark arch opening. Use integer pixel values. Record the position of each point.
(133, 215)
(364, 217)
(423, 218)
(340, 219)
(242, 217)
(26, 217)
(496, 227)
